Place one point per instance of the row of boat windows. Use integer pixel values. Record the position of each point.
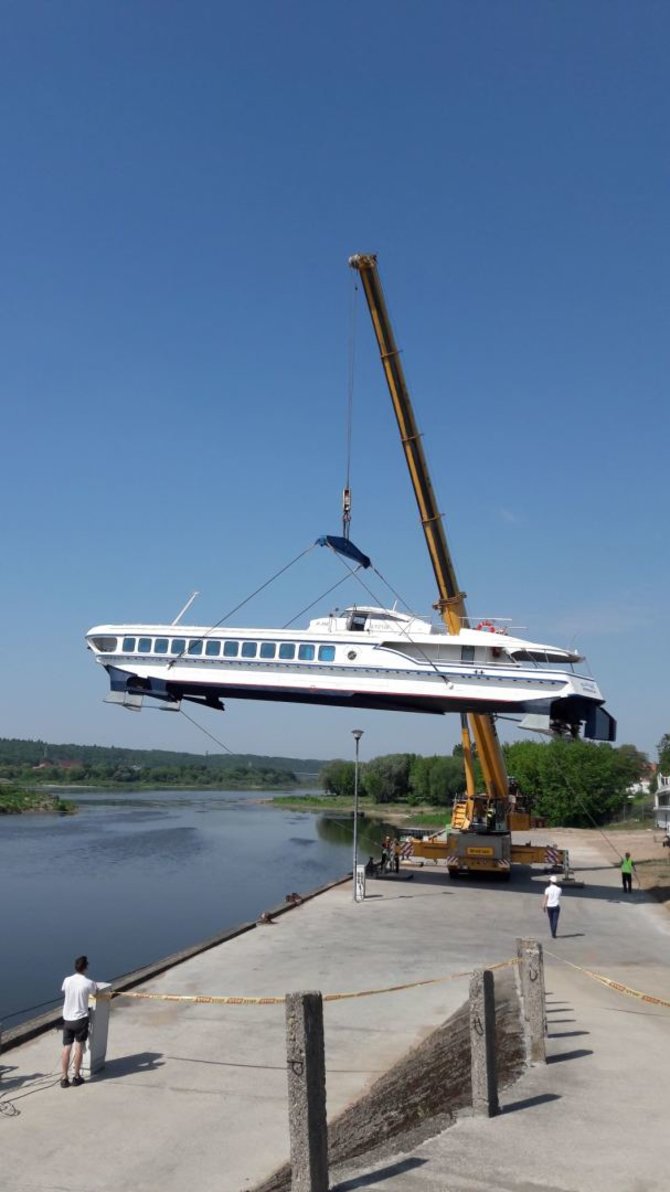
(210, 648)
(285, 651)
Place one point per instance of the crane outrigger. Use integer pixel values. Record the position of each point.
(480, 839)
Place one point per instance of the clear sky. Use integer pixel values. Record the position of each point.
(182, 187)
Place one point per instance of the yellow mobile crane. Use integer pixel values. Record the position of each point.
(480, 837)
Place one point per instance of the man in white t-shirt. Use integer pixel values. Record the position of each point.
(77, 989)
(552, 903)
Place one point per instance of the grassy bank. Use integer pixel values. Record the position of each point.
(19, 802)
(399, 813)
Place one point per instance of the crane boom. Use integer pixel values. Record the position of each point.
(451, 600)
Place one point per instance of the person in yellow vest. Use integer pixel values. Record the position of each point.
(627, 867)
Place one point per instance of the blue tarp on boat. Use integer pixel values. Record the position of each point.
(343, 546)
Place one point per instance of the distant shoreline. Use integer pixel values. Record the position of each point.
(47, 799)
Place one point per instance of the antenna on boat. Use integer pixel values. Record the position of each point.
(188, 604)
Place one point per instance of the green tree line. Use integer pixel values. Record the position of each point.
(111, 774)
(17, 751)
(573, 783)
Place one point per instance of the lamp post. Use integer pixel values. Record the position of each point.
(356, 733)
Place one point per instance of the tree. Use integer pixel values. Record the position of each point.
(387, 778)
(632, 763)
(337, 778)
(436, 780)
(573, 783)
(664, 754)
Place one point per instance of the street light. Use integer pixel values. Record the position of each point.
(356, 733)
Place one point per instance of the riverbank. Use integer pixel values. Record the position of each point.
(20, 802)
(396, 813)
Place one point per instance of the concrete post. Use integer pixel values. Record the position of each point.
(531, 972)
(483, 1044)
(96, 1048)
(306, 1064)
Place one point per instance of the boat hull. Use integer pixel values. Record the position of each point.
(571, 709)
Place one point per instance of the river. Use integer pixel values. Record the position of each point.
(132, 878)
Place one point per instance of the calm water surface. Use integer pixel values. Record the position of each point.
(132, 878)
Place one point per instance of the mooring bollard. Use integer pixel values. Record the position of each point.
(306, 1064)
(531, 972)
(484, 1063)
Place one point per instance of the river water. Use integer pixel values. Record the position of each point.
(132, 878)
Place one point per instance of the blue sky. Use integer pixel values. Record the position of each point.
(183, 185)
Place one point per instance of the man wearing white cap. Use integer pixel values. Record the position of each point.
(552, 903)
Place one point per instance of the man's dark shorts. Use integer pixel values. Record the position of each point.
(75, 1032)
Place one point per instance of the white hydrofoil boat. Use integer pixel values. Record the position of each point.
(362, 657)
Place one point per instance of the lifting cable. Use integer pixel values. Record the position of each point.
(206, 731)
(346, 492)
(246, 600)
(319, 599)
(355, 574)
(585, 809)
(578, 799)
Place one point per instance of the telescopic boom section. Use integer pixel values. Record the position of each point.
(451, 601)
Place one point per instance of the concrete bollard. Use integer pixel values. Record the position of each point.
(96, 1047)
(531, 973)
(306, 1063)
(484, 1063)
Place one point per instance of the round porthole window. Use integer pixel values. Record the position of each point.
(351, 655)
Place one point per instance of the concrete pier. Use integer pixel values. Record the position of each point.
(196, 1094)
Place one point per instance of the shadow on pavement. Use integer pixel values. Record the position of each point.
(18, 1082)
(577, 1054)
(191, 1059)
(526, 880)
(382, 1173)
(529, 1102)
(567, 1034)
(129, 1065)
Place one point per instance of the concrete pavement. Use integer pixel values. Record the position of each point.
(196, 1094)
